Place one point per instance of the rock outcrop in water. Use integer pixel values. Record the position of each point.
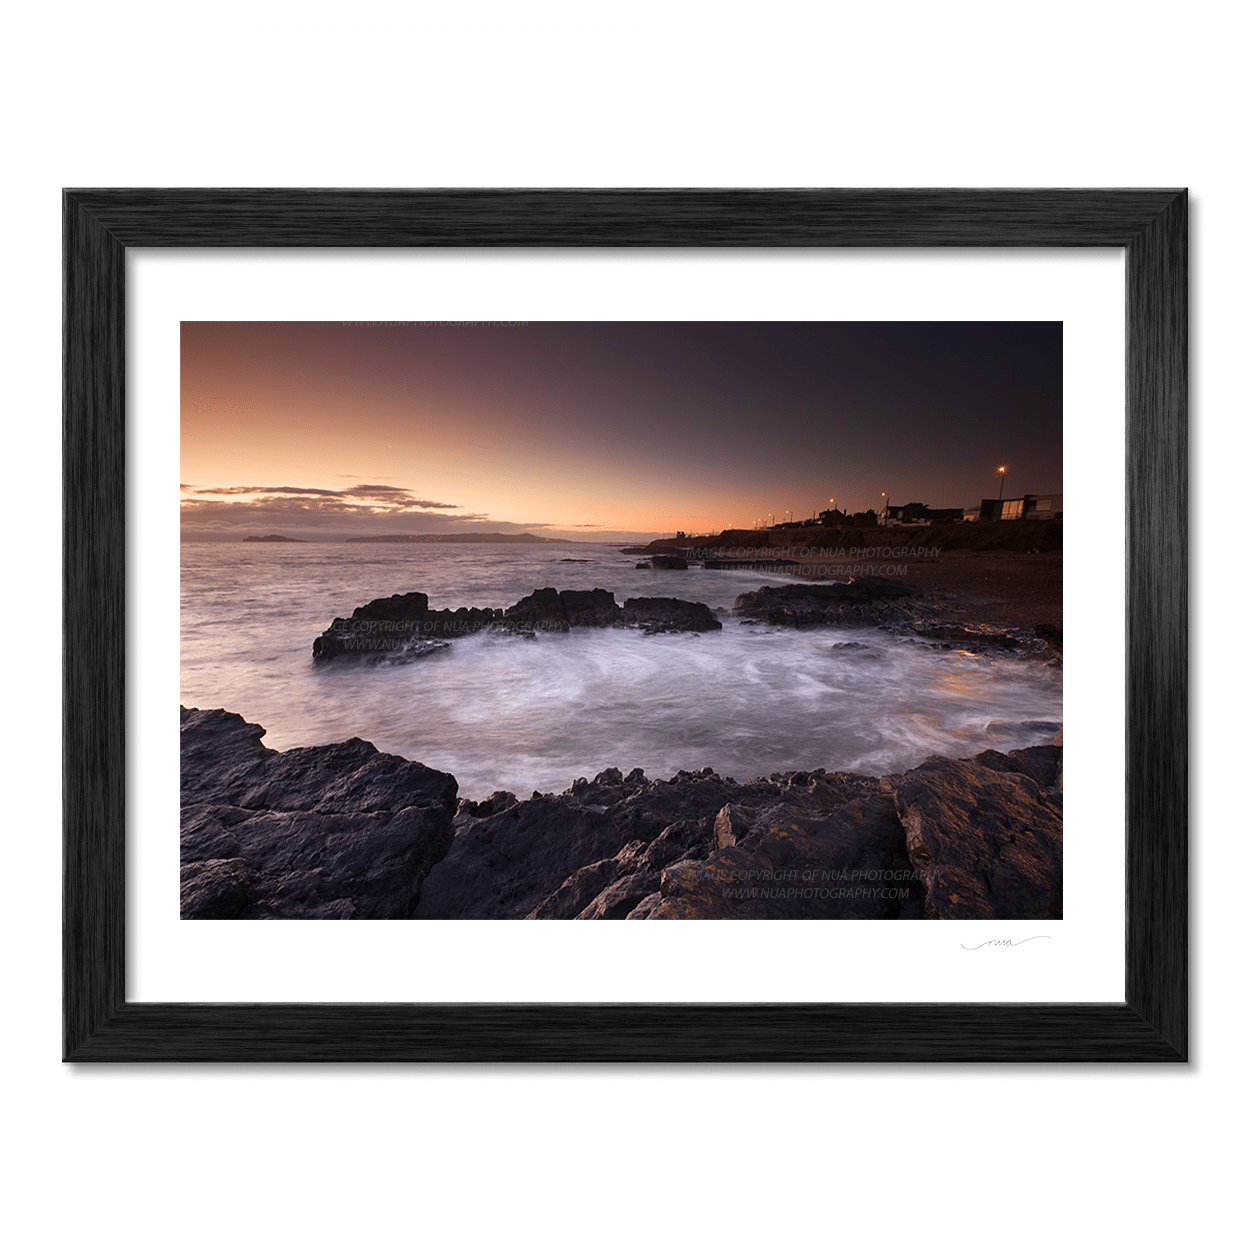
(668, 616)
(862, 601)
(405, 627)
(891, 606)
(316, 833)
(344, 831)
(664, 562)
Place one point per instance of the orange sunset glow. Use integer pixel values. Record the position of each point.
(610, 431)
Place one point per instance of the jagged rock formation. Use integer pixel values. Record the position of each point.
(405, 627)
(984, 839)
(315, 833)
(345, 831)
(804, 845)
(891, 606)
(664, 562)
(862, 601)
(668, 616)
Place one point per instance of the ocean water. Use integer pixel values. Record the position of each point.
(527, 714)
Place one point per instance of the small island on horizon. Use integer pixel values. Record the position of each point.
(272, 538)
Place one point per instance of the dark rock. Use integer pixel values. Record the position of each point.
(401, 627)
(684, 839)
(667, 562)
(1040, 763)
(612, 888)
(316, 832)
(504, 866)
(343, 831)
(557, 610)
(395, 608)
(668, 616)
(988, 844)
(541, 610)
(848, 865)
(404, 628)
(1051, 634)
(498, 802)
(622, 897)
(576, 892)
(865, 600)
(645, 908)
(214, 889)
(590, 607)
(732, 824)
(970, 636)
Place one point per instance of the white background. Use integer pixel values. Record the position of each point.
(1082, 94)
(1082, 959)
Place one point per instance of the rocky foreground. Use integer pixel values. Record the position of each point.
(345, 831)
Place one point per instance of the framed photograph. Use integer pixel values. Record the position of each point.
(308, 370)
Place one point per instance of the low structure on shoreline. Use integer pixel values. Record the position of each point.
(1034, 531)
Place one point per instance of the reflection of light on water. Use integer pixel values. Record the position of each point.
(534, 713)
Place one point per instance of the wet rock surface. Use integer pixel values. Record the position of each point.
(802, 845)
(848, 865)
(552, 609)
(344, 831)
(1052, 635)
(404, 627)
(314, 833)
(893, 607)
(964, 634)
(519, 861)
(861, 601)
(668, 616)
(987, 841)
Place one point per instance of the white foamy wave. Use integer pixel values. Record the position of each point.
(527, 714)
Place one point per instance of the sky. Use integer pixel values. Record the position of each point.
(605, 431)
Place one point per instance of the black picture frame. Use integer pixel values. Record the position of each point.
(1150, 1025)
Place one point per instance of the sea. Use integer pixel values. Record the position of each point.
(532, 714)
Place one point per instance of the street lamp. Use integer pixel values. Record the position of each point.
(1002, 479)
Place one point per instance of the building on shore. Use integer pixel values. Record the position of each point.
(1026, 508)
(919, 514)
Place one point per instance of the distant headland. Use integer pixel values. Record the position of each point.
(272, 538)
(472, 536)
